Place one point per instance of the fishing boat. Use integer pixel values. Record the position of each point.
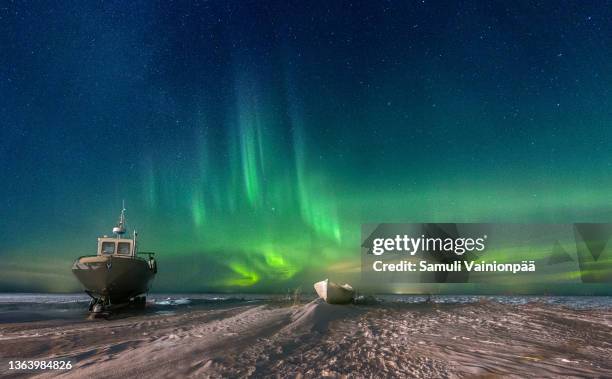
(334, 293)
(117, 275)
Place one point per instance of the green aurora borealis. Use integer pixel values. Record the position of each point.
(250, 140)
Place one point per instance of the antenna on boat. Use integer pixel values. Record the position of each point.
(119, 230)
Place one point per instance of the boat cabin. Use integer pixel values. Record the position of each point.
(116, 246)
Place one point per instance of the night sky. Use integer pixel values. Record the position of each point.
(251, 139)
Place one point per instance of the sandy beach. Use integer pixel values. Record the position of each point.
(314, 339)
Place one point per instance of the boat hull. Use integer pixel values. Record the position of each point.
(113, 278)
(333, 293)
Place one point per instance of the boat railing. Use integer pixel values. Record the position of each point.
(149, 253)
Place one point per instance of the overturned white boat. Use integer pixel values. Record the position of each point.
(334, 293)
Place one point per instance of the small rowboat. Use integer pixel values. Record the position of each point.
(334, 293)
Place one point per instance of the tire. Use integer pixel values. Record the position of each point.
(140, 302)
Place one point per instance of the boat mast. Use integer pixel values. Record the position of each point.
(119, 230)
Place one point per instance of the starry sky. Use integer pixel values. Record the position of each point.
(250, 140)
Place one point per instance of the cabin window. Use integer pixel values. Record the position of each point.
(108, 248)
(124, 248)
